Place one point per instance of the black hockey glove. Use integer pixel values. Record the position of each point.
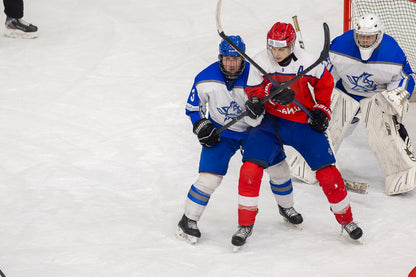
(320, 120)
(254, 107)
(206, 132)
(285, 97)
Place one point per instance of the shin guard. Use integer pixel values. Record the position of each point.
(333, 186)
(248, 192)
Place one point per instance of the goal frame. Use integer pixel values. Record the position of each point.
(348, 14)
(406, 45)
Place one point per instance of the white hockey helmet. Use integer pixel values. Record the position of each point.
(368, 33)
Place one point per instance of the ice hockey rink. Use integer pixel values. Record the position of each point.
(97, 155)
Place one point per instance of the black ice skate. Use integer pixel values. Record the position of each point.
(240, 237)
(292, 216)
(188, 230)
(353, 230)
(18, 28)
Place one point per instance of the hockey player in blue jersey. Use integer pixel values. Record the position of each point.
(375, 83)
(220, 89)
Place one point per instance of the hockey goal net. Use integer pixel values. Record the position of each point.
(398, 16)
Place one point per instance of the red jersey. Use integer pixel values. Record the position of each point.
(319, 79)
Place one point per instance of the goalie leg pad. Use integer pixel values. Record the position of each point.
(200, 193)
(248, 192)
(300, 169)
(344, 108)
(394, 154)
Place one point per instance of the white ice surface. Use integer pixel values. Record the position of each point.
(97, 155)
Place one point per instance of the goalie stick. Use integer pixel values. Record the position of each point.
(280, 86)
(357, 187)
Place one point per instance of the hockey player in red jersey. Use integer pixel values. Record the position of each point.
(219, 88)
(286, 124)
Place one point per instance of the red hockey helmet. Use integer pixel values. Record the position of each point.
(281, 35)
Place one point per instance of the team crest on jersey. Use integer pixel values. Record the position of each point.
(231, 111)
(362, 82)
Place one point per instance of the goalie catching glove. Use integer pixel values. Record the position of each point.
(395, 102)
(206, 132)
(284, 97)
(321, 115)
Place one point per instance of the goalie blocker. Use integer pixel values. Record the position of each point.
(388, 139)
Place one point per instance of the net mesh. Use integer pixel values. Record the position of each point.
(399, 18)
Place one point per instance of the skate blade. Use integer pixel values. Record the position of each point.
(295, 226)
(236, 248)
(343, 236)
(189, 239)
(15, 33)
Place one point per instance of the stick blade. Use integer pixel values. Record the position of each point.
(357, 187)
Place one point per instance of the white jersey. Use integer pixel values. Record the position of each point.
(212, 97)
(386, 69)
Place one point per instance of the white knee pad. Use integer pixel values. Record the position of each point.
(279, 173)
(208, 182)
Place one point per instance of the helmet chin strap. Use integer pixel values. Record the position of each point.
(288, 59)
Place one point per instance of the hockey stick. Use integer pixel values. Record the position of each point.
(297, 28)
(281, 86)
(357, 187)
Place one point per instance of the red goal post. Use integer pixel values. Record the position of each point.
(398, 16)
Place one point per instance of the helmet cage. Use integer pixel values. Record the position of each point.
(225, 49)
(368, 26)
(229, 75)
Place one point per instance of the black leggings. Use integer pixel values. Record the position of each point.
(13, 8)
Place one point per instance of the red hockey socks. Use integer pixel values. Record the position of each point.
(248, 192)
(332, 184)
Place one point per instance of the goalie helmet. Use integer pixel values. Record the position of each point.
(368, 33)
(225, 49)
(281, 35)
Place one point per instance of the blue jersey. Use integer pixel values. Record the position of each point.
(386, 69)
(212, 97)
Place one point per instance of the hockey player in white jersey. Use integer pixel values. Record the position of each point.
(220, 89)
(375, 83)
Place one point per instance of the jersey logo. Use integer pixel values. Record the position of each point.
(362, 82)
(231, 111)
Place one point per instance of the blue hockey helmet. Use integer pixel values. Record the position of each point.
(227, 50)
